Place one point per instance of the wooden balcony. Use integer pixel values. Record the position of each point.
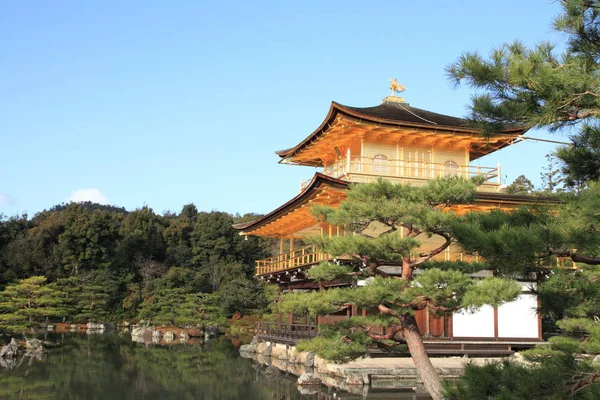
(301, 257)
(309, 255)
(363, 169)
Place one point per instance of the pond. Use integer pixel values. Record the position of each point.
(109, 366)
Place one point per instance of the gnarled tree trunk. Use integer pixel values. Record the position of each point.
(429, 376)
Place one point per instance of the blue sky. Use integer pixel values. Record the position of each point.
(165, 103)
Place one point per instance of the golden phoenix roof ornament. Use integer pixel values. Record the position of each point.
(396, 87)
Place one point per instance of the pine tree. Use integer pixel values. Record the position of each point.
(536, 87)
(521, 185)
(403, 214)
(29, 301)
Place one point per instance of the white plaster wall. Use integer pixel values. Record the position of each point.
(518, 319)
(477, 324)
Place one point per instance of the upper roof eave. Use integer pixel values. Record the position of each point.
(337, 108)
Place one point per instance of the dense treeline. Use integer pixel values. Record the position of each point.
(83, 262)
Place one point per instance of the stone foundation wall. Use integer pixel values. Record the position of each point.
(287, 359)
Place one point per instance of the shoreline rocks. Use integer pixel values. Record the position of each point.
(10, 350)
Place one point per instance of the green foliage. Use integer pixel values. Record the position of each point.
(521, 185)
(582, 158)
(27, 301)
(174, 299)
(492, 291)
(463, 266)
(312, 303)
(335, 346)
(536, 87)
(142, 232)
(88, 296)
(506, 380)
(327, 271)
(388, 220)
(571, 293)
(511, 242)
(391, 204)
(105, 262)
(551, 175)
(240, 293)
(528, 238)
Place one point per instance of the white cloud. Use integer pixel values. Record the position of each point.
(4, 200)
(93, 195)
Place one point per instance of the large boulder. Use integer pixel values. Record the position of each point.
(272, 371)
(92, 326)
(169, 337)
(10, 350)
(355, 379)
(248, 348)
(212, 331)
(109, 326)
(309, 361)
(141, 334)
(293, 356)
(308, 379)
(279, 351)
(34, 347)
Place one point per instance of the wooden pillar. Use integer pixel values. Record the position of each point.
(348, 161)
(432, 163)
(499, 172)
(281, 258)
(496, 323)
(292, 260)
(539, 318)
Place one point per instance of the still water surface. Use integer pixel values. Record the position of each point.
(113, 367)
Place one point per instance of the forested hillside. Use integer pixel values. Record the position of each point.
(83, 262)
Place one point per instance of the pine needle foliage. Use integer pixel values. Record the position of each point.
(543, 88)
(389, 222)
(28, 301)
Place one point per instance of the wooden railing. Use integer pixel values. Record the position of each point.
(406, 169)
(452, 254)
(300, 257)
(309, 255)
(286, 333)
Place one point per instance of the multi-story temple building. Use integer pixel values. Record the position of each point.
(405, 144)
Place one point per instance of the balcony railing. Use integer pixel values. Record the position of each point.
(286, 333)
(309, 255)
(300, 257)
(409, 169)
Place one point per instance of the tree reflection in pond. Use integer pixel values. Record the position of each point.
(113, 367)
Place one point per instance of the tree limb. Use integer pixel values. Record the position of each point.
(577, 257)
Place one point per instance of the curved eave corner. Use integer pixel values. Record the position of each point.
(317, 180)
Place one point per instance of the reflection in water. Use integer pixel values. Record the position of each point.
(113, 367)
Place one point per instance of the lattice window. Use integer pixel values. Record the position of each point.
(450, 168)
(380, 165)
